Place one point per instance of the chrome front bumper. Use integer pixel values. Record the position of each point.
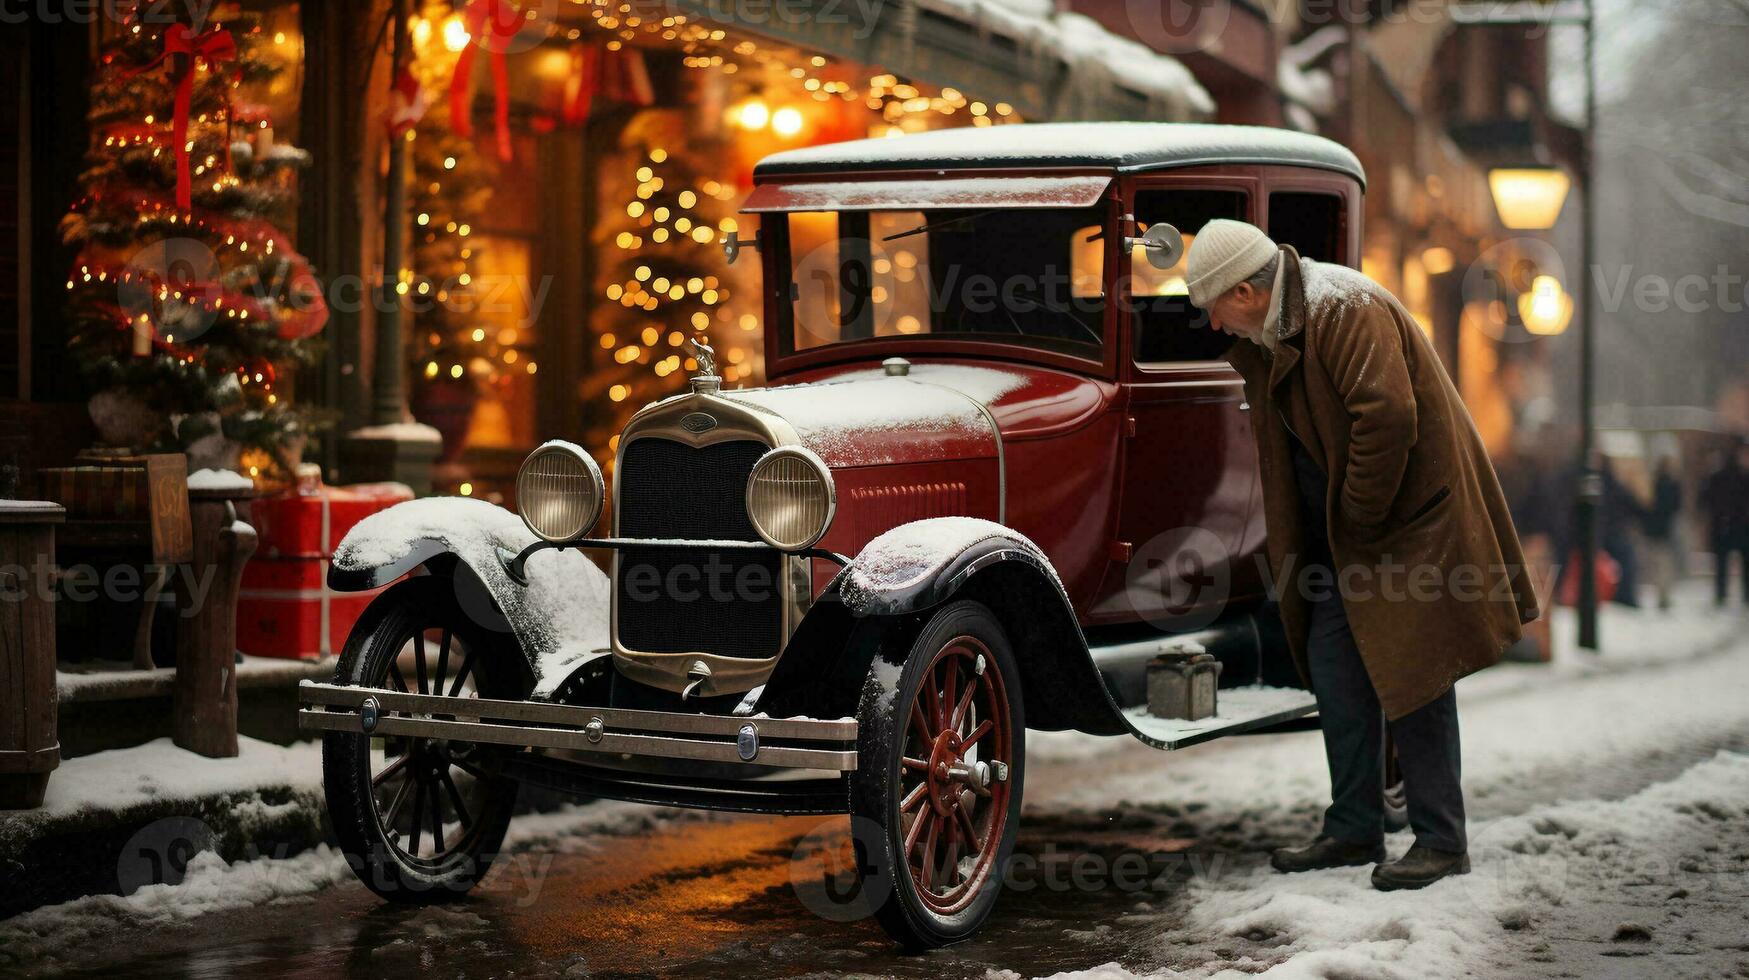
(758, 743)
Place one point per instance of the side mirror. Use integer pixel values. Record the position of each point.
(1162, 243)
(733, 243)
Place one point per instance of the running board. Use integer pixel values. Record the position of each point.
(758, 743)
(1239, 709)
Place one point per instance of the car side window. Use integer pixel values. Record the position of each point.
(1168, 329)
(1310, 222)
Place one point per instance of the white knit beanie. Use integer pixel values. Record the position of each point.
(1222, 255)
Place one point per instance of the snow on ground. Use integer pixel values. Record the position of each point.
(160, 772)
(1588, 836)
(1609, 803)
(1662, 874)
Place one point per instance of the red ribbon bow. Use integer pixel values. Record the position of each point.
(502, 21)
(215, 45)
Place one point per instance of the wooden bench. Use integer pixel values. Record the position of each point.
(138, 510)
(125, 510)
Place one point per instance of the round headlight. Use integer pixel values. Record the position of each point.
(790, 498)
(559, 491)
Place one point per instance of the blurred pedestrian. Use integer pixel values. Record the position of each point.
(1658, 523)
(1725, 498)
(1617, 513)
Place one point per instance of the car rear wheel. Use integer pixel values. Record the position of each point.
(419, 819)
(939, 780)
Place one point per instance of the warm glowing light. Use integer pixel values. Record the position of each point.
(1528, 198)
(1437, 260)
(455, 33)
(466, 489)
(1546, 308)
(753, 115)
(786, 122)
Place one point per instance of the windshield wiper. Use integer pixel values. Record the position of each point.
(938, 225)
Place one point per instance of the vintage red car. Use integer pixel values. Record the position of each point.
(999, 470)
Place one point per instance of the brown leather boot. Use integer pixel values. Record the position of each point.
(1326, 852)
(1421, 867)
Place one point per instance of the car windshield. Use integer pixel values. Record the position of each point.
(1032, 277)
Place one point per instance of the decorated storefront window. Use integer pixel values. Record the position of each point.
(188, 308)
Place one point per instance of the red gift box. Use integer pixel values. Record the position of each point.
(285, 608)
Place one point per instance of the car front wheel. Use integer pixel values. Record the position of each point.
(939, 782)
(418, 818)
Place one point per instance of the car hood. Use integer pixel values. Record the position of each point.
(864, 417)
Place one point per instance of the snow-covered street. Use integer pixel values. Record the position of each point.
(1609, 804)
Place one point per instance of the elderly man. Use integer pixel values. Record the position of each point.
(1391, 550)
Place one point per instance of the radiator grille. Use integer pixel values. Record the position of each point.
(680, 601)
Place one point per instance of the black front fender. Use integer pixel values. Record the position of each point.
(364, 578)
(861, 617)
(558, 616)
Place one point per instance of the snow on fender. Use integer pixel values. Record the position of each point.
(559, 618)
(915, 565)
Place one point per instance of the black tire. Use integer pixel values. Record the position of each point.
(369, 807)
(892, 794)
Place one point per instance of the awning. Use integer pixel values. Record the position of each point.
(916, 194)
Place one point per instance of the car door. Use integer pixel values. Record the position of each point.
(1189, 459)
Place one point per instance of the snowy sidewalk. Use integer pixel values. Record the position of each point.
(114, 820)
(1609, 805)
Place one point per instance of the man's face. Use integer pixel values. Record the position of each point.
(1240, 311)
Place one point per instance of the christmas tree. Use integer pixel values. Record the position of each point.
(661, 227)
(187, 307)
(449, 187)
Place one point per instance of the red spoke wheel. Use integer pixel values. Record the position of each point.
(419, 818)
(940, 777)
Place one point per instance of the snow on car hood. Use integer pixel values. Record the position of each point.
(867, 417)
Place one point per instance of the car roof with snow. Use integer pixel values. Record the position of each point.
(1125, 147)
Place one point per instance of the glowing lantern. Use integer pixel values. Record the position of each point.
(1528, 198)
(1546, 308)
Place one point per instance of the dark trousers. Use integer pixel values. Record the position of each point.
(1354, 741)
(1723, 547)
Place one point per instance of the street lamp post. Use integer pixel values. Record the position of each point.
(1591, 483)
(1590, 490)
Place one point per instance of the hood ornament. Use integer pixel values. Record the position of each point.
(705, 382)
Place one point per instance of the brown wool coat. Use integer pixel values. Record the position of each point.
(1433, 579)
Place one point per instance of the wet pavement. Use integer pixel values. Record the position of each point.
(714, 895)
(701, 895)
(1096, 879)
